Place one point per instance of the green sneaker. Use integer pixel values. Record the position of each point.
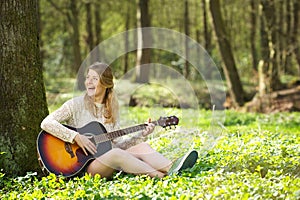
(185, 162)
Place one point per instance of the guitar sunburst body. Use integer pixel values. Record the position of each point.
(66, 159)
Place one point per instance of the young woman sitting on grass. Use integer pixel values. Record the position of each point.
(132, 155)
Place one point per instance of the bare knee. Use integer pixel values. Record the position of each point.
(118, 155)
(144, 145)
(141, 148)
(96, 167)
(116, 152)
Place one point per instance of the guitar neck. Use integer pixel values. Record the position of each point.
(118, 133)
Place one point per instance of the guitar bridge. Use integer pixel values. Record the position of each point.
(68, 148)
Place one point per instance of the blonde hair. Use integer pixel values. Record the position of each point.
(111, 107)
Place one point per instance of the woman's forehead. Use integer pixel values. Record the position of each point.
(92, 73)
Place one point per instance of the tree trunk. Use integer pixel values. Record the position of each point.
(98, 20)
(288, 39)
(144, 37)
(269, 79)
(233, 80)
(98, 30)
(89, 30)
(186, 71)
(206, 32)
(126, 43)
(23, 99)
(296, 25)
(253, 20)
(75, 36)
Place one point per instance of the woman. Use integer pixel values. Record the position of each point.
(131, 155)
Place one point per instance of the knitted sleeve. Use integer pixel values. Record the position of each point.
(52, 123)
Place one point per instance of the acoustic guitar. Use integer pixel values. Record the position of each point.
(66, 159)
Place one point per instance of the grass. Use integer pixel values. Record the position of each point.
(256, 157)
(252, 156)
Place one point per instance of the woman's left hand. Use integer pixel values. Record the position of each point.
(149, 128)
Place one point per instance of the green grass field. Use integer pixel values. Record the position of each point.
(255, 156)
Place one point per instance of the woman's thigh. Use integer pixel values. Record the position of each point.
(97, 167)
(108, 163)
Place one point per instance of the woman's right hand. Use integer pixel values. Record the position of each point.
(85, 144)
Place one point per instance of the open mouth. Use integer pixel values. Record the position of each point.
(91, 90)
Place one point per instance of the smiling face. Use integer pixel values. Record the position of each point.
(93, 85)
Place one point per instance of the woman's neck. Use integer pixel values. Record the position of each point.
(100, 97)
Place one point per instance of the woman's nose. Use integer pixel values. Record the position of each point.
(89, 80)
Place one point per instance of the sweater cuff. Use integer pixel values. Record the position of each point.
(72, 137)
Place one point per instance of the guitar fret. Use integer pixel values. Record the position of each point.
(101, 138)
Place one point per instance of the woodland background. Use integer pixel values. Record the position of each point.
(254, 43)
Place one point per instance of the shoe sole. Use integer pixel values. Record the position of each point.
(187, 162)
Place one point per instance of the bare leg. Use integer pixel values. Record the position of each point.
(97, 167)
(116, 158)
(147, 154)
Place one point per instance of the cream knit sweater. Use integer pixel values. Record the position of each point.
(74, 113)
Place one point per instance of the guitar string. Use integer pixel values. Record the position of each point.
(111, 135)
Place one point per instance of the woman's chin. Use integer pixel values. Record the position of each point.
(91, 94)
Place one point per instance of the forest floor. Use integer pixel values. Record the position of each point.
(242, 156)
(253, 156)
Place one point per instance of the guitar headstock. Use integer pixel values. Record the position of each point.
(167, 121)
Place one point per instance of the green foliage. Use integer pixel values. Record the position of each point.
(149, 95)
(59, 90)
(172, 93)
(257, 157)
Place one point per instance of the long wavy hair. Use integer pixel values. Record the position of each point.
(111, 106)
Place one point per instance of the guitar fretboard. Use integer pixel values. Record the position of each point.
(118, 133)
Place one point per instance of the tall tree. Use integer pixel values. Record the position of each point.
(126, 39)
(288, 43)
(296, 42)
(232, 77)
(268, 66)
(73, 18)
(23, 99)
(186, 71)
(206, 31)
(253, 20)
(89, 30)
(96, 35)
(98, 22)
(144, 38)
